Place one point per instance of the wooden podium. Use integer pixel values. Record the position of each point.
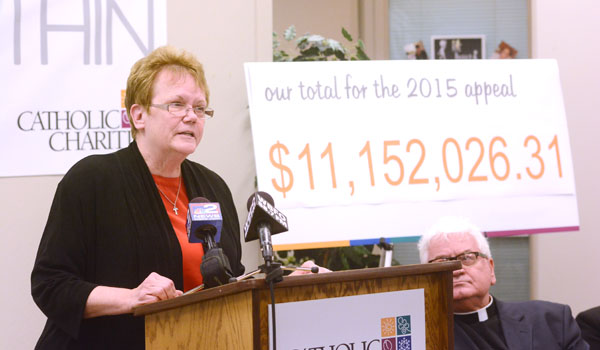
(234, 316)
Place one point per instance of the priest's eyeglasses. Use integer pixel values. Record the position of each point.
(180, 110)
(466, 258)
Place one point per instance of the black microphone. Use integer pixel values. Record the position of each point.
(204, 223)
(263, 222)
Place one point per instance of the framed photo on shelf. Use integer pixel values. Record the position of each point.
(455, 47)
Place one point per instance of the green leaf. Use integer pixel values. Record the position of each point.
(340, 55)
(327, 52)
(344, 261)
(302, 42)
(310, 52)
(346, 34)
(361, 55)
(361, 45)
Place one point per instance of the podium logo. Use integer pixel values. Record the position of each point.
(396, 333)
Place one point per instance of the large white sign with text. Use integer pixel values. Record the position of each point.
(367, 149)
(64, 66)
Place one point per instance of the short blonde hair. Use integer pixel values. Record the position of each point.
(450, 225)
(143, 73)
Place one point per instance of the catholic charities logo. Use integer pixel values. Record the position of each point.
(396, 333)
(79, 129)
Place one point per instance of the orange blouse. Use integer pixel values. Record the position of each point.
(192, 252)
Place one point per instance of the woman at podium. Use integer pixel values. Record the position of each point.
(115, 236)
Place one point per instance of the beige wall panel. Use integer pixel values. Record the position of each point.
(375, 28)
(565, 266)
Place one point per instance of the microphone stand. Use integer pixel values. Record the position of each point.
(264, 269)
(272, 270)
(387, 249)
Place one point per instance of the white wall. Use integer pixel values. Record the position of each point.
(24, 206)
(565, 266)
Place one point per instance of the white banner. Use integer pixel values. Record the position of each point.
(380, 321)
(64, 67)
(355, 150)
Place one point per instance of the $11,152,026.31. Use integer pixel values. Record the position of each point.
(499, 162)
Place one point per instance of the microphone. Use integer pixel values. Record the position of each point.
(204, 223)
(263, 222)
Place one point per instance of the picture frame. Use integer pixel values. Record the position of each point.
(457, 47)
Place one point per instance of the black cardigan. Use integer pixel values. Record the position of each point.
(108, 226)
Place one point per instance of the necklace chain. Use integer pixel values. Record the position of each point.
(175, 209)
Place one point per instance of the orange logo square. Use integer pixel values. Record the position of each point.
(388, 327)
(122, 98)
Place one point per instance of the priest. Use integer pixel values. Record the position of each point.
(482, 321)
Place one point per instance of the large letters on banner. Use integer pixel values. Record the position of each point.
(64, 68)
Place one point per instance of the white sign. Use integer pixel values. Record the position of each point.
(368, 149)
(380, 321)
(64, 68)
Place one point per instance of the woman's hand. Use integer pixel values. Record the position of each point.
(154, 288)
(307, 266)
(104, 301)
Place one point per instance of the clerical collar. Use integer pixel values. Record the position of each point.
(480, 315)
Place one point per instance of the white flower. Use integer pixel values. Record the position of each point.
(290, 33)
(335, 45)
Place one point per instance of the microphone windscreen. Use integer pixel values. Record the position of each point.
(261, 211)
(199, 200)
(215, 268)
(265, 195)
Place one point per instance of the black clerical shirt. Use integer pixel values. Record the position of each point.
(483, 327)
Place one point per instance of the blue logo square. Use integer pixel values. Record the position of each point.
(404, 343)
(403, 325)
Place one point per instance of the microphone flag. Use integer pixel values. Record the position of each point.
(260, 212)
(204, 218)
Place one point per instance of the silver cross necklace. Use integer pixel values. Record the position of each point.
(176, 197)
